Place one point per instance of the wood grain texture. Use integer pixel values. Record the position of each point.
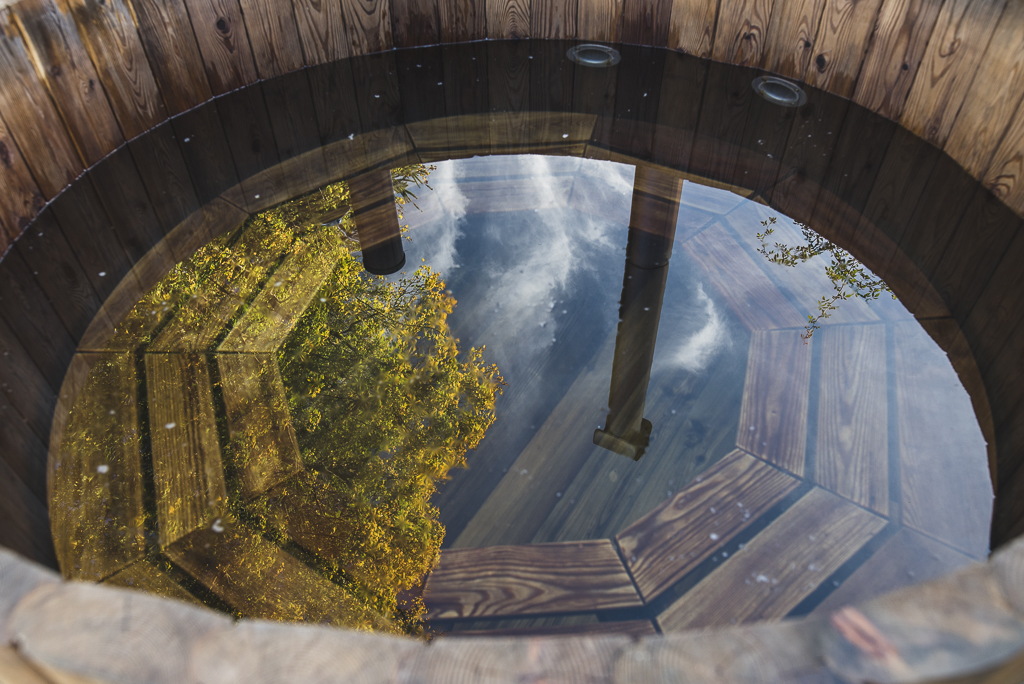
(939, 439)
(144, 576)
(846, 26)
(113, 43)
(223, 43)
(773, 417)
(993, 98)
(263, 443)
(24, 454)
(368, 25)
(852, 453)
(63, 64)
(416, 22)
(1005, 172)
(250, 137)
(779, 567)
(462, 20)
(273, 36)
(791, 37)
(634, 628)
(321, 30)
(96, 505)
(553, 19)
(599, 20)
(21, 377)
(528, 580)
(692, 27)
(203, 145)
(739, 279)
(508, 19)
(740, 34)
(960, 38)
(126, 203)
(162, 171)
(190, 490)
(676, 537)
(174, 56)
(646, 22)
(21, 199)
(27, 523)
(907, 558)
(897, 47)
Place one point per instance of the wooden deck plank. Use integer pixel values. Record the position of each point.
(528, 580)
(22, 199)
(24, 452)
(277, 308)
(740, 31)
(508, 19)
(599, 20)
(174, 56)
(201, 140)
(739, 279)
(263, 443)
(773, 417)
(113, 43)
(941, 447)
(852, 452)
(958, 42)
(220, 34)
(634, 628)
(65, 68)
(26, 526)
(791, 35)
(779, 567)
(553, 20)
(31, 116)
(461, 21)
(646, 22)
(190, 490)
(250, 136)
(907, 558)
(20, 376)
(894, 55)
(96, 506)
(259, 580)
(126, 202)
(368, 25)
(838, 53)
(674, 538)
(321, 31)
(273, 36)
(162, 170)
(144, 576)
(692, 27)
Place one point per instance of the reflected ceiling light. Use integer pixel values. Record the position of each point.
(779, 91)
(593, 55)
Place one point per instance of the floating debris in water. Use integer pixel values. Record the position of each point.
(103, 468)
(170, 426)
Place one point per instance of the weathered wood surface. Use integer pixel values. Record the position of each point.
(692, 27)
(415, 22)
(223, 43)
(528, 580)
(190, 490)
(671, 540)
(321, 31)
(368, 25)
(852, 452)
(773, 417)
(740, 31)
(273, 36)
(508, 19)
(846, 26)
(779, 567)
(22, 198)
(126, 202)
(96, 504)
(790, 37)
(461, 20)
(263, 444)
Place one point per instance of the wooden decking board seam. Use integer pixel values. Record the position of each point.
(895, 477)
(813, 399)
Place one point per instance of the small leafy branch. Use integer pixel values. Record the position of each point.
(849, 277)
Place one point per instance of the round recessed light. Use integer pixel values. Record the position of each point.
(594, 55)
(779, 91)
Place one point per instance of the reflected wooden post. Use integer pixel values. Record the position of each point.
(652, 227)
(376, 219)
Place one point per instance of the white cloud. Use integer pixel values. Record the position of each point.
(697, 351)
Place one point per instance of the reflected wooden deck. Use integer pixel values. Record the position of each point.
(529, 580)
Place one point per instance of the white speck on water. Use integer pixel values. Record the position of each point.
(673, 412)
(741, 547)
(543, 324)
(256, 196)
(835, 583)
(439, 82)
(747, 581)
(712, 509)
(101, 469)
(323, 299)
(671, 558)
(812, 567)
(103, 274)
(278, 283)
(714, 537)
(565, 135)
(632, 559)
(351, 136)
(40, 235)
(645, 94)
(698, 479)
(523, 471)
(111, 411)
(377, 96)
(752, 427)
(564, 311)
(725, 554)
(761, 579)
(552, 339)
(559, 495)
(217, 526)
(169, 426)
(770, 156)
(188, 139)
(739, 504)
(811, 537)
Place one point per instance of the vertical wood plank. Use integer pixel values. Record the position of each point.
(791, 35)
(201, 139)
(599, 20)
(773, 415)
(646, 22)
(895, 54)
(273, 36)
(462, 20)
(679, 106)
(162, 170)
(508, 19)
(21, 198)
(223, 43)
(1005, 172)
(63, 65)
(994, 97)
(113, 43)
(321, 30)
(294, 124)
(553, 19)
(740, 36)
(368, 24)
(334, 102)
(124, 198)
(852, 453)
(20, 377)
(416, 22)
(22, 451)
(959, 40)
(846, 26)
(173, 53)
(692, 27)
(250, 137)
(27, 528)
